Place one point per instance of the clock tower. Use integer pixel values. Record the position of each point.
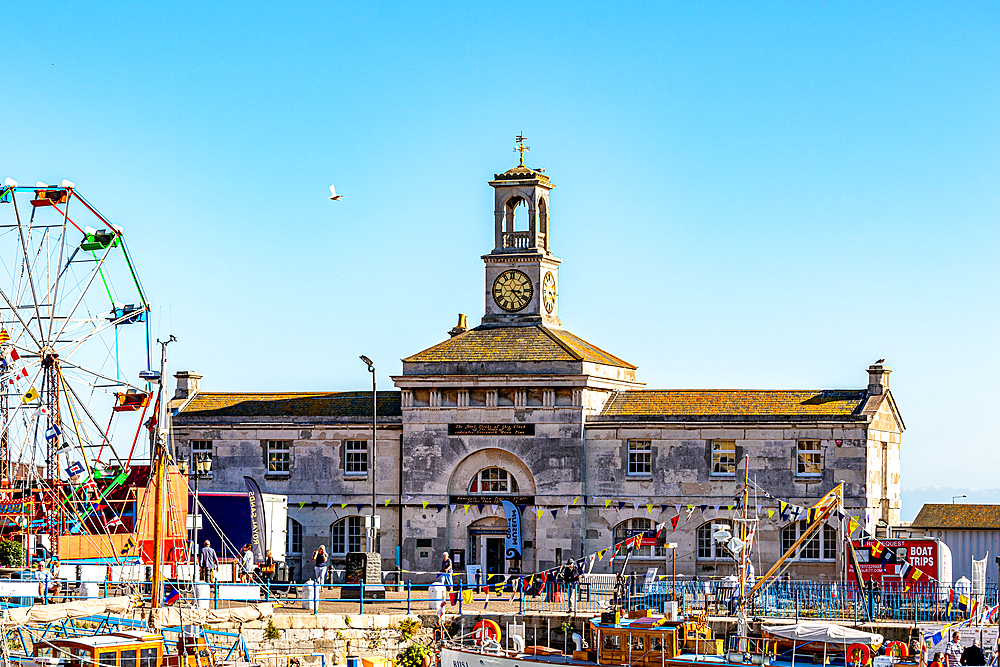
(522, 276)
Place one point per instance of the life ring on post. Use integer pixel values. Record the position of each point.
(486, 629)
(859, 654)
(896, 649)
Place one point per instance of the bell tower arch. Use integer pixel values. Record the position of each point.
(522, 275)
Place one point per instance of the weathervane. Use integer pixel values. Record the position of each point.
(521, 147)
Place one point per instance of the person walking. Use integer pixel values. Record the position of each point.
(953, 650)
(208, 563)
(446, 575)
(320, 562)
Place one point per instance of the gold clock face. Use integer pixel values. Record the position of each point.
(548, 292)
(512, 290)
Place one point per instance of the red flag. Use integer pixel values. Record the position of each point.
(673, 521)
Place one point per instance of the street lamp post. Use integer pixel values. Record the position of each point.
(372, 526)
(673, 567)
(961, 496)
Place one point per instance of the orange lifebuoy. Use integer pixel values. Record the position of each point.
(863, 652)
(486, 629)
(891, 648)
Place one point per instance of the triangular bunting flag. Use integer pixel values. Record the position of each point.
(424, 504)
(554, 512)
(703, 508)
(452, 508)
(360, 506)
(440, 507)
(343, 505)
(607, 503)
(302, 505)
(576, 500)
(635, 506)
(466, 508)
(649, 509)
(673, 521)
(387, 501)
(770, 514)
(621, 505)
(480, 507)
(677, 508)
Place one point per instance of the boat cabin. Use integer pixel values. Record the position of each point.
(122, 649)
(119, 649)
(649, 641)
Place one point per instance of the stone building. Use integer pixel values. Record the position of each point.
(519, 408)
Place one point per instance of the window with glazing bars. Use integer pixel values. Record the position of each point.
(640, 457)
(808, 458)
(724, 458)
(356, 457)
(279, 457)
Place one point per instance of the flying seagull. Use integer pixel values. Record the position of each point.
(333, 194)
(880, 361)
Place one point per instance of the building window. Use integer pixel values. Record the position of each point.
(640, 457)
(347, 535)
(279, 457)
(293, 542)
(808, 459)
(631, 528)
(356, 457)
(724, 458)
(201, 450)
(821, 546)
(493, 480)
(708, 548)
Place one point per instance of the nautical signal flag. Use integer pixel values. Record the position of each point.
(962, 603)
(74, 469)
(128, 546)
(31, 395)
(4, 336)
(114, 522)
(52, 432)
(173, 596)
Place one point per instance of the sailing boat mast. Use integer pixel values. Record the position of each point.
(159, 456)
(741, 619)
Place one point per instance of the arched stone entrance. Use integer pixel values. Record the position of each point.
(480, 483)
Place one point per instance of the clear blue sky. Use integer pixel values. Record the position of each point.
(748, 194)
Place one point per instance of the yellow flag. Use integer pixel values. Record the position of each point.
(576, 500)
(467, 596)
(649, 509)
(607, 503)
(852, 525)
(770, 514)
(387, 501)
(30, 396)
(466, 507)
(540, 513)
(425, 503)
(343, 505)
(600, 554)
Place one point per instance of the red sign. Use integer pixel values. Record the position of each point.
(921, 554)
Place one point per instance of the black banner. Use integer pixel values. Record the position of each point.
(491, 500)
(258, 529)
(491, 429)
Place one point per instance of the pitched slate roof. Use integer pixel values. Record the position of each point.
(513, 344)
(962, 517)
(313, 404)
(735, 403)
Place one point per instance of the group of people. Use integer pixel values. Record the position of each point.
(208, 564)
(570, 574)
(955, 654)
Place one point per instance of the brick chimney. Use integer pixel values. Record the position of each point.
(878, 378)
(187, 384)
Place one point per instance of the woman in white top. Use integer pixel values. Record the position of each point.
(246, 564)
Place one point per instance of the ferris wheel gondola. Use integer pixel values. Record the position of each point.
(74, 334)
